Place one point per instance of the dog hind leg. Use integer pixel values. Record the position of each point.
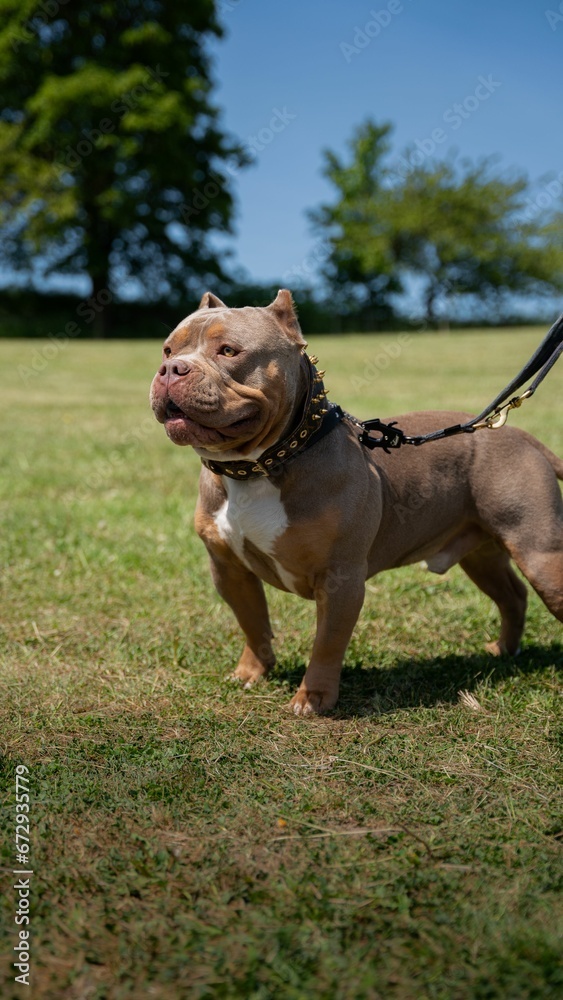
(489, 568)
(544, 570)
(536, 544)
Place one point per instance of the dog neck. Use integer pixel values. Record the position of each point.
(313, 417)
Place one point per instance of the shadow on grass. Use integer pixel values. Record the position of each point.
(370, 690)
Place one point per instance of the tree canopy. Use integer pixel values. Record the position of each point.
(360, 267)
(459, 227)
(113, 163)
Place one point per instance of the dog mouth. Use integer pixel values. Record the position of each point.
(172, 412)
(182, 427)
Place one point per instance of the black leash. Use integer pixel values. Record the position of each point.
(494, 415)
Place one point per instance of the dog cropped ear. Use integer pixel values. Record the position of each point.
(210, 301)
(283, 309)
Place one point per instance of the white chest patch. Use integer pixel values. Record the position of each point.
(253, 511)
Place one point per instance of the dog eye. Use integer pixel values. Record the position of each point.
(228, 352)
(167, 351)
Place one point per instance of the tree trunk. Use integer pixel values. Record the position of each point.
(430, 299)
(101, 300)
(98, 244)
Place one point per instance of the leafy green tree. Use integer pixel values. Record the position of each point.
(113, 163)
(460, 228)
(359, 267)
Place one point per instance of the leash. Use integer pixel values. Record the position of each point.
(319, 417)
(493, 416)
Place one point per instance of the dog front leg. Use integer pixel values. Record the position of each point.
(339, 599)
(244, 593)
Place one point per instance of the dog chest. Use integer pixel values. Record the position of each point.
(253, 512)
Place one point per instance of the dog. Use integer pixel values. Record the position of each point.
(290, 496)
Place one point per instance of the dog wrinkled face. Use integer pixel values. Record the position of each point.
(229, 376)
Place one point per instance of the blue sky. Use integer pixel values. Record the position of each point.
(422, 58)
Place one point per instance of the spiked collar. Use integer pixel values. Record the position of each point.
(318, 417)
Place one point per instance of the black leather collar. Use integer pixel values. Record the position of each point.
(318, 418)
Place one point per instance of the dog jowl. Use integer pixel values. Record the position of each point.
(289, 496)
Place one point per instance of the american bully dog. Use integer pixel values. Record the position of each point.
(288, 494)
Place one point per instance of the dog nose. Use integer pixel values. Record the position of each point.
(174, 367)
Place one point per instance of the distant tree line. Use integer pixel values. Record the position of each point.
(460, 229)
(114, 166)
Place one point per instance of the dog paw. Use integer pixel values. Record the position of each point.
(312, 702)
(497, 648)
(247, 676)
(250, 669)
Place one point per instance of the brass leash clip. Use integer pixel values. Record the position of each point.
(499, 417)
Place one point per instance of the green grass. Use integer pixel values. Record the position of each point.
(194, 840)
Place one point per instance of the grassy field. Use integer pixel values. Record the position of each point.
(192, 840)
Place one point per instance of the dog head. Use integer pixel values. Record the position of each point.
(230, 379)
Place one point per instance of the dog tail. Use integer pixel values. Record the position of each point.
(555, 462)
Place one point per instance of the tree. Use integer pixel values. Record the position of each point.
(460, 228)
(112, 160)
(359, 265)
